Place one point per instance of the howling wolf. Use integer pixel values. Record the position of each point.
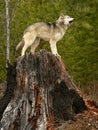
(51, 32)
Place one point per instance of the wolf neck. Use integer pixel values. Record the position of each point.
(62, 26)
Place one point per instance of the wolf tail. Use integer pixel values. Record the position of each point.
(20, 45)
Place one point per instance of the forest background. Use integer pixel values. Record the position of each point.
(79, 46)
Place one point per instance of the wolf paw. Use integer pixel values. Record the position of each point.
(58, 55)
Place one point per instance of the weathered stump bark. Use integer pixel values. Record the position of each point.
(44, 94)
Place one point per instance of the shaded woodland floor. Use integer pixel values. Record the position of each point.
(88, 120)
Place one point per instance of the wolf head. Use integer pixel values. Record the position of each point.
(67, 20)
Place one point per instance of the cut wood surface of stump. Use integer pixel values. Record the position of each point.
(44, 94)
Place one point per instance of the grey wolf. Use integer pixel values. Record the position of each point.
(51, 32)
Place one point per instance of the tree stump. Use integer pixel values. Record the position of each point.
(43, 94)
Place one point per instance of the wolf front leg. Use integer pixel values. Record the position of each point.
(53, 47)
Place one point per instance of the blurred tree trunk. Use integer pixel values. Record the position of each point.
(8, 32)
(44, 94)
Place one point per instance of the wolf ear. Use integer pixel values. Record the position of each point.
(62, 15)
(60, 19)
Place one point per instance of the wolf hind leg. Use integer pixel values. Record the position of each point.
(28, 40)
(35, 44)
(24, 49)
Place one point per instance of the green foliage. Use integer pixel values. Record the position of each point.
(78, 48)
